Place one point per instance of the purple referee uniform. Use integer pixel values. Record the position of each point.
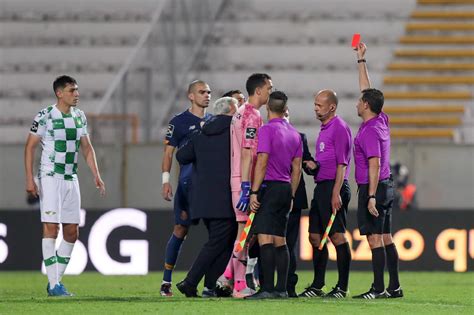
(372, 140)
(333, 147)
(282, 143)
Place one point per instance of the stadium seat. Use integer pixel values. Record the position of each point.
(435, 53)
(425, 109)
(390, 80)
(466, 95)
(425, 121)
(422, 133)
(437, 40)
(430, 67)
(448, 15)
(439, 27)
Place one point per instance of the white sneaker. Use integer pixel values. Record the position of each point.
(243, 293)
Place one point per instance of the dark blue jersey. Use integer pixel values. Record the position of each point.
(180, 129)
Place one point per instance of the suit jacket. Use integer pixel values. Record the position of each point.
(301, 199)
(209, 152)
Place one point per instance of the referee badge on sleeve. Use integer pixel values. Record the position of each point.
(34, 126)
(250, 133)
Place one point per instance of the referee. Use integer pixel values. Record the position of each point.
(331, 195)
(276, 178)
(372, 174)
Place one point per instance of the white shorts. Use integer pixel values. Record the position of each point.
(60, 200)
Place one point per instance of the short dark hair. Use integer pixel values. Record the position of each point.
(256, 80)
(61, 82)
(193, 84)
(374, 98)
(232, 92)
(277, 102)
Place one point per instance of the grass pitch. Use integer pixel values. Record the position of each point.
(425, 293)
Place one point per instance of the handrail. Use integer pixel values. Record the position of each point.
(131, 58)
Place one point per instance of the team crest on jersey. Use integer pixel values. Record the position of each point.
(250, 133)
(169, 132)
(34, 126)
(321, 147)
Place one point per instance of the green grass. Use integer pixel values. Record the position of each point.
(425, 293)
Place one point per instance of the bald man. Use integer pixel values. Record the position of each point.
(180, 129)
(331, 195)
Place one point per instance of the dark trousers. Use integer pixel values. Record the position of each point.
(292, 233)
(215, 254)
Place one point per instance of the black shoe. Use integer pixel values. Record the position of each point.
(393, 294)
(280, 295)
(187, 289)
(292, 293)
(372, 294)
(250, 282)
(223, 291)
(260, 295)
(312, 292)
(336, 293)
(209, 293)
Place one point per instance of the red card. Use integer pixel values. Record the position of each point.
(355, 40)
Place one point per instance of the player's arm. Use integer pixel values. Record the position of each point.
(336, 201)
(89, 155)
(259, 176)
(364, 81)
(246, 160)
(167, 191)
(374, 174)
(30, 148)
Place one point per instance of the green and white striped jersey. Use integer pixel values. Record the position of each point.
(60, 139)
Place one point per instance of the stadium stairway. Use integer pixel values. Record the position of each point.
(428, 85)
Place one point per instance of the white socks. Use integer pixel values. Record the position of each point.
(50, 261)
(63, 256)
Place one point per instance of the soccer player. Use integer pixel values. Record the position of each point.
(238, 95)
(62, 130)
(331, 195)
(244, 135)
(277, 175)
(180, 129)
(372, 174)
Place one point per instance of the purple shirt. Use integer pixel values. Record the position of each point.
(282, 143)
(333, 147)
(372, 140)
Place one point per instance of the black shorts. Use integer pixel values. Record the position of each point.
(275, 203)
(321, 208)
(368, 224)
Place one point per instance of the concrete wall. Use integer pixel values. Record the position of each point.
(444, 174)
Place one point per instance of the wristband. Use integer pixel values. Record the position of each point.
(253, 192)
(165, 177)
(370, 197)
(361, 60)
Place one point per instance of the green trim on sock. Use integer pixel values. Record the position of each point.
(63, 260)
(50, 261)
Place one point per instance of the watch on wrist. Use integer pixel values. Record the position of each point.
(253, 192)
(370, 197)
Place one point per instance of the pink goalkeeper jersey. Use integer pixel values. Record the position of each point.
(243, 134)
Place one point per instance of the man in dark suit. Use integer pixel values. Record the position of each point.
(211, 198)
(293, 229)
